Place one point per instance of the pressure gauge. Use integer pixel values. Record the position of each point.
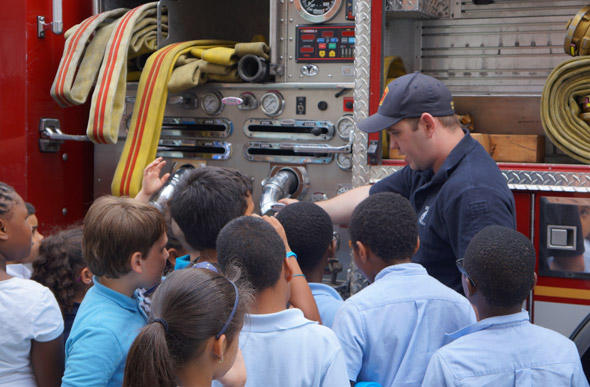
(317, 11)
(344, 161)
(344, 127)
(272, 103)
(211, 103)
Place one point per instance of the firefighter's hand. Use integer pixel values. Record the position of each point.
(152, 181)
(287, 201)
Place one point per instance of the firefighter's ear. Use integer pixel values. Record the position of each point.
(417, 245)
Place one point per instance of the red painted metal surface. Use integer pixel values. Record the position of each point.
(51, 181)
(376, 59)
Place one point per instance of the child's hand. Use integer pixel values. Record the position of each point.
(274, 222)
(236, 376)
(152, 181)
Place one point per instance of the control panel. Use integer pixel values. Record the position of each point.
(325, 43)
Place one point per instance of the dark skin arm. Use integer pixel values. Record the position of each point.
(47, 359)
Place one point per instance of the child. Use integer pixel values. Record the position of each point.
(193, 337)
(280, 346)
(389, 330)
(31, 346)
(204, 201)
(309, 231)
(503, 348)
(19, 269)
(62, 268)
(124, 243)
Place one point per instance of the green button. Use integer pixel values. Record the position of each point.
(332, 45)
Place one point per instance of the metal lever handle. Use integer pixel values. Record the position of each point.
(58, 135)
(51, 137)
(317, 148)
(56, 24)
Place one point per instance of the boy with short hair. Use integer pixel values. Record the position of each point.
(389, 330)
(310, 234)
(124, 243)
(280, 346)
(503, 348)
(204, 201)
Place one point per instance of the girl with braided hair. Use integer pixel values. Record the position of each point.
(62, 268)
(31, 345)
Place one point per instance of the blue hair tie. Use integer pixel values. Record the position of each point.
(233, 312)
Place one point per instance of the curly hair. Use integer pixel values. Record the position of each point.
(59, 265)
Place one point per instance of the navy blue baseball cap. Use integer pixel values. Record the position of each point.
(409, 96)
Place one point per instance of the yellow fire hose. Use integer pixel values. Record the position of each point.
(560, 112)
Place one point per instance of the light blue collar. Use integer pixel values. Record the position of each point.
(323, 289)
(405, 269)
(119, 298)
(491, 322)
(272, 322)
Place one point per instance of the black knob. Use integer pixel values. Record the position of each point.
(316, 131)
(348, 105)
(322, 105)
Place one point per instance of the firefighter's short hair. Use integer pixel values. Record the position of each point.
(501, 262)
(386, 223)
(114, 229)
(254, 247)
(309, 231)
(205, 200)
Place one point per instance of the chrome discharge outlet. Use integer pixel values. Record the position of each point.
(160, 198)
(282, 184)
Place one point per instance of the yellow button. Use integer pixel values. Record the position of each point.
(332, 53)
(322, 53)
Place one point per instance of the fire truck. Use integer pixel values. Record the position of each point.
(291, 123)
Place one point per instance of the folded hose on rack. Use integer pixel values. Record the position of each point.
(560, 111)
(148, 113)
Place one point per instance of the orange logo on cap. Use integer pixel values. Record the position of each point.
(384, 95)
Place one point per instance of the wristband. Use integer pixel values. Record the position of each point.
(298, 275)
(291, 254)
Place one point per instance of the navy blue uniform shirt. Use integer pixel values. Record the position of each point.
(467, 194)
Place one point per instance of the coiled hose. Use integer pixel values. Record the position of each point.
(560, 111)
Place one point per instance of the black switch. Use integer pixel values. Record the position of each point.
(300, 105)
(322, 105)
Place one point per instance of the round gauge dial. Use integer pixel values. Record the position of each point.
(318, 11)
(272, 103)
(211, 103)
(344, 127)
(344, 161)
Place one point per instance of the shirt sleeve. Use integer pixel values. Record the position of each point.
(350, 332)
(399, 182)
(336, 374)
(92, 357)
(437, 374)
(471, 212)
(49, 323)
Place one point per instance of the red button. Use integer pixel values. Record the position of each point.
(322, 46)
(306, 49)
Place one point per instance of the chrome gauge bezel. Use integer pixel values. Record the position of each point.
(342, 121)
(344, 161)
(280, 103)
(329, 14)
(212, 94)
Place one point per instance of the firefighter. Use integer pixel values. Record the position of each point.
(454, 185)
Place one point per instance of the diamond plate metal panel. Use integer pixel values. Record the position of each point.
(382, 171)
(547, 181)
(417, 9)
(362, 66)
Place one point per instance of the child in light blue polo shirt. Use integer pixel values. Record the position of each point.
(503, 348)
(389, 330)
(310, 232)
(124, 244)
(280, 346)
